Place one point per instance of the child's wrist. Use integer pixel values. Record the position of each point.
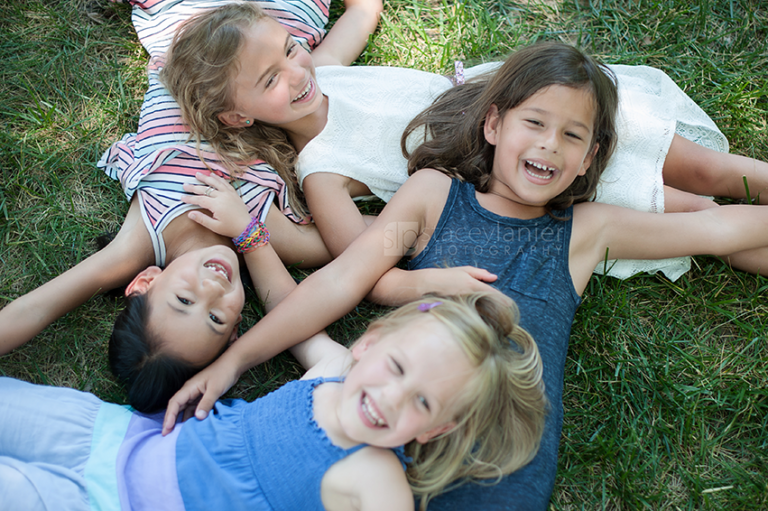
(254, 236)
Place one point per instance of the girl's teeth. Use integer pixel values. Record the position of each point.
(304, 93)
(217, 268)
(540, 166)
(550, 170)
(371, 413)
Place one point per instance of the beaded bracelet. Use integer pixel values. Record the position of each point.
(254, 236)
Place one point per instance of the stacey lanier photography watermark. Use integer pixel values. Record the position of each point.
(400, 238)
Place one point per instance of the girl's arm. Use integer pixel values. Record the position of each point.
(398, 287)
(320, 299)
(630, 234)
(340, 222)
(349, 35)
(329, 198)
(296, 244)
(115, 265)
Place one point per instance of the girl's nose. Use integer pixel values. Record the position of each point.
(298, 75)
(395, 394)
(550, 140)
(212, 285)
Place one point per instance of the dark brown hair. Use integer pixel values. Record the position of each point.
(454, 140)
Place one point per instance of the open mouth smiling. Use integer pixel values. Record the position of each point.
(220, 268)
(304, 93)
(539, 170)
(370, 412)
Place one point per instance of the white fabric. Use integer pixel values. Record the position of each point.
(370, 106)
(652, 108)
(368, 109)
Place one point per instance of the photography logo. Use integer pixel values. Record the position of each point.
(400, 238)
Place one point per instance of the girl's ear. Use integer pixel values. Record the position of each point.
(492, 125)
(588, 159)
(361, 346)
(233, 336)
(141, 282)
(432, 433)
(234, 119)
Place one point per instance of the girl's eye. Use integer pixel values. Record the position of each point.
(215, 319)
(396, 366)
(534, 122)
(423, 402)
(184, 300)
(573, 135)
(291, 49)
(270, 81)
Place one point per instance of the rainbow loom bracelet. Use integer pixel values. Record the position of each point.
(254, 236)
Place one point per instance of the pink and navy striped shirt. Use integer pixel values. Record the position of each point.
(160, 157)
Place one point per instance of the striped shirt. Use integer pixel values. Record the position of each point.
(159, 158)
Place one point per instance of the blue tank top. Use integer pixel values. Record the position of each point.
(247, 453)
(530, 258)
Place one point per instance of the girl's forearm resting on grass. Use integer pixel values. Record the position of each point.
(113, 266)
(349, 35)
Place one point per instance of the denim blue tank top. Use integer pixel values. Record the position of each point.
(530, 258)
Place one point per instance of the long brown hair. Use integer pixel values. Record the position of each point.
(198, 72)
(454, 140)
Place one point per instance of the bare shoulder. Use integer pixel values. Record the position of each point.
(430, 176)
(370, 479)
(590, 217)
(428, 185)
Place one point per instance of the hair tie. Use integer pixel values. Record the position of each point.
(254, 236)
(458, 76)
(424, 307)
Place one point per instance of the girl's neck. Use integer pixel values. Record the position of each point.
(183, 235)
(507, 207)
(301, 131)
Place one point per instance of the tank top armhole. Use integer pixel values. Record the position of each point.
(450, 202)
(566, 259)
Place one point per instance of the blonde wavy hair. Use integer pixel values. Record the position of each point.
(199, 69)
(501, 422)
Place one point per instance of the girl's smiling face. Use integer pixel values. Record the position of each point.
(407, 384)
(195, 302)
(275, 83)
(542, 145)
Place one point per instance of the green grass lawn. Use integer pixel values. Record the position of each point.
(666, 393)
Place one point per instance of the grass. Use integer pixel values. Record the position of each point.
(665, 395)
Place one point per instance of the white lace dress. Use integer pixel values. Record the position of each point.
(369, 108)
(652, 108)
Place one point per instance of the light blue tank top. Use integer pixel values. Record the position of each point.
(247, 454)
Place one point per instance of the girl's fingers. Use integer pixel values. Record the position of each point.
(480, 274)
(191, 199)
(215, 181)
(204, 220)
(206, 404)
(197, 189)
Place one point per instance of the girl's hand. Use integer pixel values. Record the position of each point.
(200, 393)
(229, 215)
(453, 281)
(398, 287)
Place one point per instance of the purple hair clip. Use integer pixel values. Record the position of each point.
(424, 307)
(458, 77)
